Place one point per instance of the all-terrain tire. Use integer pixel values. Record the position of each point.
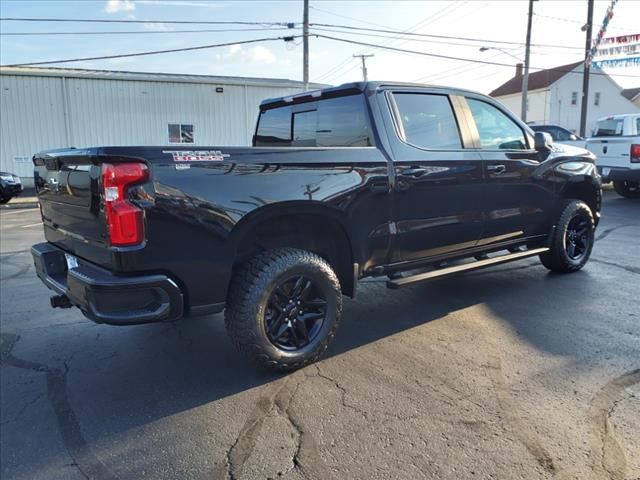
(250, 292)
(575, 229)
(627, 189)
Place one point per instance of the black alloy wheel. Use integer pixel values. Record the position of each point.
(295, 313)
(576, 237)
(572, 239)
(283, 308)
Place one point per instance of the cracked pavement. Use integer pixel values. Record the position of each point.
(506, 373)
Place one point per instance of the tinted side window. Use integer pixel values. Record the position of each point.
(496, 129)
(343, 122)
(428, 120)
(274, 128)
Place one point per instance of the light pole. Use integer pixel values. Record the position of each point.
(484, 49)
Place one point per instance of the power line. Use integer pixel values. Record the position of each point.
(153, 52)
(422, 40)
(96, 20)
(424, 22)
(469, 39)
(438, 76)
(151, 32)
(282, 24)
(447, 57)
(578, 22)
(347, 17)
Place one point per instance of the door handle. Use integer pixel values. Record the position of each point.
(414, 172)
(497, 169)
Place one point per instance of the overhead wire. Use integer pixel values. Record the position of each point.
(424, 22)
(110, 20)
(153, 52)
(151, 32)
(448, 57)
(429, 35)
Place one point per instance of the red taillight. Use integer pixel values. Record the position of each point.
(635, 153)
(124, 220)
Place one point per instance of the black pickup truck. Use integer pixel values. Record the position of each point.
(366, 179)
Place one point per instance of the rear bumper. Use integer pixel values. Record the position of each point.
(619, 174)
(104, 297)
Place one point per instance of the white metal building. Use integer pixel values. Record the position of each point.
(45, 108)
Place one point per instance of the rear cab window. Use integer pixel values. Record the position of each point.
(333, 122)
(609, 127)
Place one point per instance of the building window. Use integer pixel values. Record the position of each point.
(596, 99)
(574, 98)
(180, 133)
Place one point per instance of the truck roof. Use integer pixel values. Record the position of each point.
(351, 88)
(619, 116)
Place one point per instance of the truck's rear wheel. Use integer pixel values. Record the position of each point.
(573, 238)
(627, 188)
(284, 307)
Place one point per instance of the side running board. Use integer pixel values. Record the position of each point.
(443, 272)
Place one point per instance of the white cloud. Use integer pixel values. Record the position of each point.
(117, 6)
(260, 54)
(254, 55)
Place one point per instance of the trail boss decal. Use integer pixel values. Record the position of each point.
(197, 155)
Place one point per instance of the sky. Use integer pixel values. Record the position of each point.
(557, 38)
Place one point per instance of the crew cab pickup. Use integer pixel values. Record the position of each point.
(616, 143)
(406, 181)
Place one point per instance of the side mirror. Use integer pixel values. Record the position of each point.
(574, 137)
(542, 141)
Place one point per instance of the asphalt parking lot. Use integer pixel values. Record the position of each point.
(507, 373)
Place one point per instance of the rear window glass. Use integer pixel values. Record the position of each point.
(335, 122)
(609, 128)
(304, 128)
(274, 128)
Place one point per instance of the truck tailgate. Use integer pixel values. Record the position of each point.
(612, 151)
(67, 183)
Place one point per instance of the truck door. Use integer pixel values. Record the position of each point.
(518, 190)
(437, 200)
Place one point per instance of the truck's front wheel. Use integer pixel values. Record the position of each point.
(283, 308)
(627, 188)
(572, 240)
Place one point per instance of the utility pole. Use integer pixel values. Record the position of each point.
(525, 77)
(364, 64)
(585, 73)
(305, 45)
